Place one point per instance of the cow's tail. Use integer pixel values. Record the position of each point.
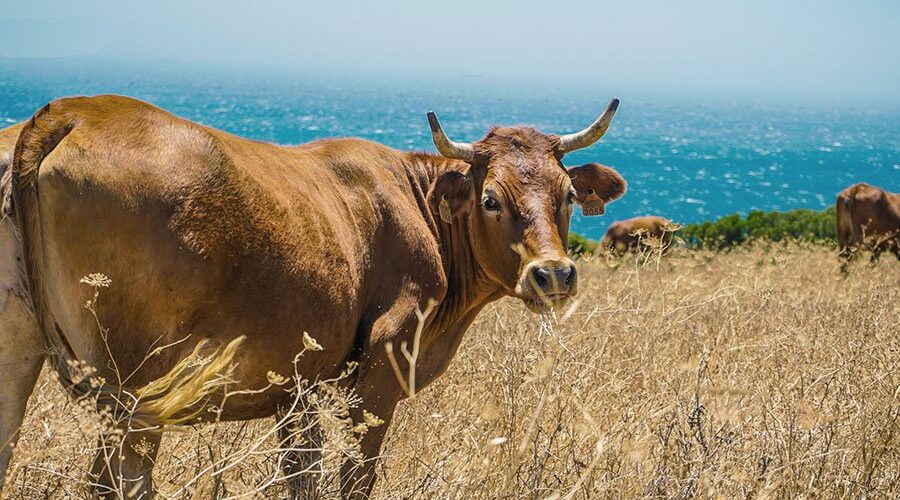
(36, 140)
(176, 397)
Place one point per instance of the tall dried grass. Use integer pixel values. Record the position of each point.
(756, 373)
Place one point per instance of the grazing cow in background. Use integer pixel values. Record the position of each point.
(637, 234)
(868, 218)
(210, 237)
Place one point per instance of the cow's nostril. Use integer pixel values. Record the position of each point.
(567, 276)
(541, 277)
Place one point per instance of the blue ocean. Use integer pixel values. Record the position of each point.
(688, 158)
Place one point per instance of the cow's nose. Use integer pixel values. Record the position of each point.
(554, 279)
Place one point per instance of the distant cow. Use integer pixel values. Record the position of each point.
(637, 234)
(210, 237)
(868, 218)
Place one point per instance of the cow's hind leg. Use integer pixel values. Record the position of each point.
(875, 256)
(301, 439)
(845, 256)
(21, 358)
(124, 464)
(21, 350)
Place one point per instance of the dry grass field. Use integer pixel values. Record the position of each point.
(756, 373)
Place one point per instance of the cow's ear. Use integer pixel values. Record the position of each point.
(451, 196)
(595, 186)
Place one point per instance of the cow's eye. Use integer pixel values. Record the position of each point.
(490, 204)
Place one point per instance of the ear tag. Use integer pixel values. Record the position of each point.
(592, 205)
(444, 209)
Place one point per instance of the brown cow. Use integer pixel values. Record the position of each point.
(868, 218)
(208, 236)
(636, 233)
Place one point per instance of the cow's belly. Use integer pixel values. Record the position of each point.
(163, 292)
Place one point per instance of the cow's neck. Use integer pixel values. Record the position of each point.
(468, 287)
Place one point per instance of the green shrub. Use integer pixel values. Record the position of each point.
(802, 224)
(579, 245)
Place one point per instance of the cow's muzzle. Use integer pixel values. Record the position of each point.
(548, 283)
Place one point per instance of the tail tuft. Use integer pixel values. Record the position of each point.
(179, 395)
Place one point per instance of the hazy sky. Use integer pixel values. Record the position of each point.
(766, 47)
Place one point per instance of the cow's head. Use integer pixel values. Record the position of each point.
(517, 198)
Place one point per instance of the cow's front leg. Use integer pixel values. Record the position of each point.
(358, 478)
(301, 438)
(380, 388)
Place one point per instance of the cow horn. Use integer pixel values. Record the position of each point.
(457, 150)
(592, 134)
